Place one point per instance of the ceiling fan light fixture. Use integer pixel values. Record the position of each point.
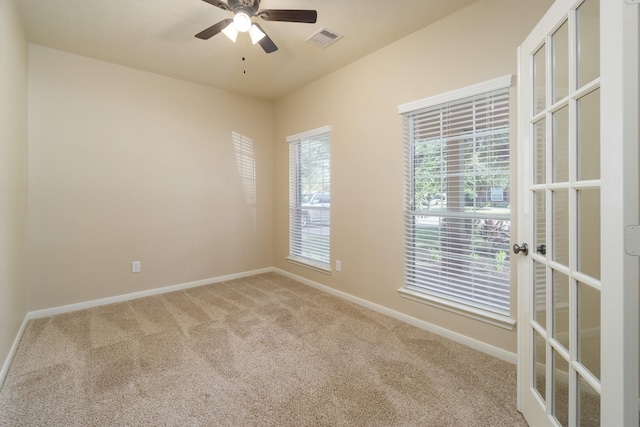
(231, 31)
(256, 34)
(242, 22)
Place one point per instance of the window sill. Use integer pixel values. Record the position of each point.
(316, 266)
(464, 310)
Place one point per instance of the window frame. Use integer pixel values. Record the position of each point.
(503, 320)
(320, 135)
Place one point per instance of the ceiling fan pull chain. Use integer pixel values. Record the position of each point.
(244, 52)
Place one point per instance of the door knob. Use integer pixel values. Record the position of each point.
(524, 248)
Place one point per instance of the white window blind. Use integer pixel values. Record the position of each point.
(309, 198)
(457, 200)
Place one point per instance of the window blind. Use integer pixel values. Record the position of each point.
(309, 197)
(457, 200)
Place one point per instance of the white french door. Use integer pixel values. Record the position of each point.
(578, 193)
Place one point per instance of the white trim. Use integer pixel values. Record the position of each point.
(309, 134)
(485, 316)
(12, 351)
(619, 207)
(454, 336)
(317, 266)
(465, 92)
(135, 295)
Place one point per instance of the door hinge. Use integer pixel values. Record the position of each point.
(632, 240)
(633, 1)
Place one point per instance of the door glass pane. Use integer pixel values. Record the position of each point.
(540, 293)
(540, 148)
(540, 221)
(588, 250)
(588, 41)
(589, 404)
(560, 75)
(539, 364)
(560, 145)
(561, 308)
(540, 79)
(589, 328)
(561, 389)
(589, 136)
(560, 226)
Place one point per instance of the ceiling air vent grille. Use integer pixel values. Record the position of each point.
(324, 37)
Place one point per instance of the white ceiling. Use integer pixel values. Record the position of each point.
(158, 36)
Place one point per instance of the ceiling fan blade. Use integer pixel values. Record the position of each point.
(266, 43)
(218, 3)
(289, 15)
(214, 29)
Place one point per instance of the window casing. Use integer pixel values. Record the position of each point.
(309, 199)
(457, 198)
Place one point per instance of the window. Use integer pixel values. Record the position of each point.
(309, 198)
(457, 199)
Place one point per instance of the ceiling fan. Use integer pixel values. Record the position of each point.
(243, 11)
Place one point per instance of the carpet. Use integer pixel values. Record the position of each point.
(259, 351)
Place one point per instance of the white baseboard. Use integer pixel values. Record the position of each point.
(505, 355)
(12, 351)
(135, 295)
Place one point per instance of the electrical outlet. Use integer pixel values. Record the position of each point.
(135, 267)
(338, 265)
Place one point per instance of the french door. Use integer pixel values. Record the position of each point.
(578, 193)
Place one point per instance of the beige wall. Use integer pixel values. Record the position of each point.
(360, 103)
(13, 175)
(130, 166)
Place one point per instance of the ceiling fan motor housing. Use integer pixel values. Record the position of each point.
(252, 5)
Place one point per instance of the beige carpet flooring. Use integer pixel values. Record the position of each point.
(260, 351)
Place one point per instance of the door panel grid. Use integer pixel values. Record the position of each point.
(564, 194)
(578, 155)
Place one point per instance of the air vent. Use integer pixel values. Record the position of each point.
(324, 37)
